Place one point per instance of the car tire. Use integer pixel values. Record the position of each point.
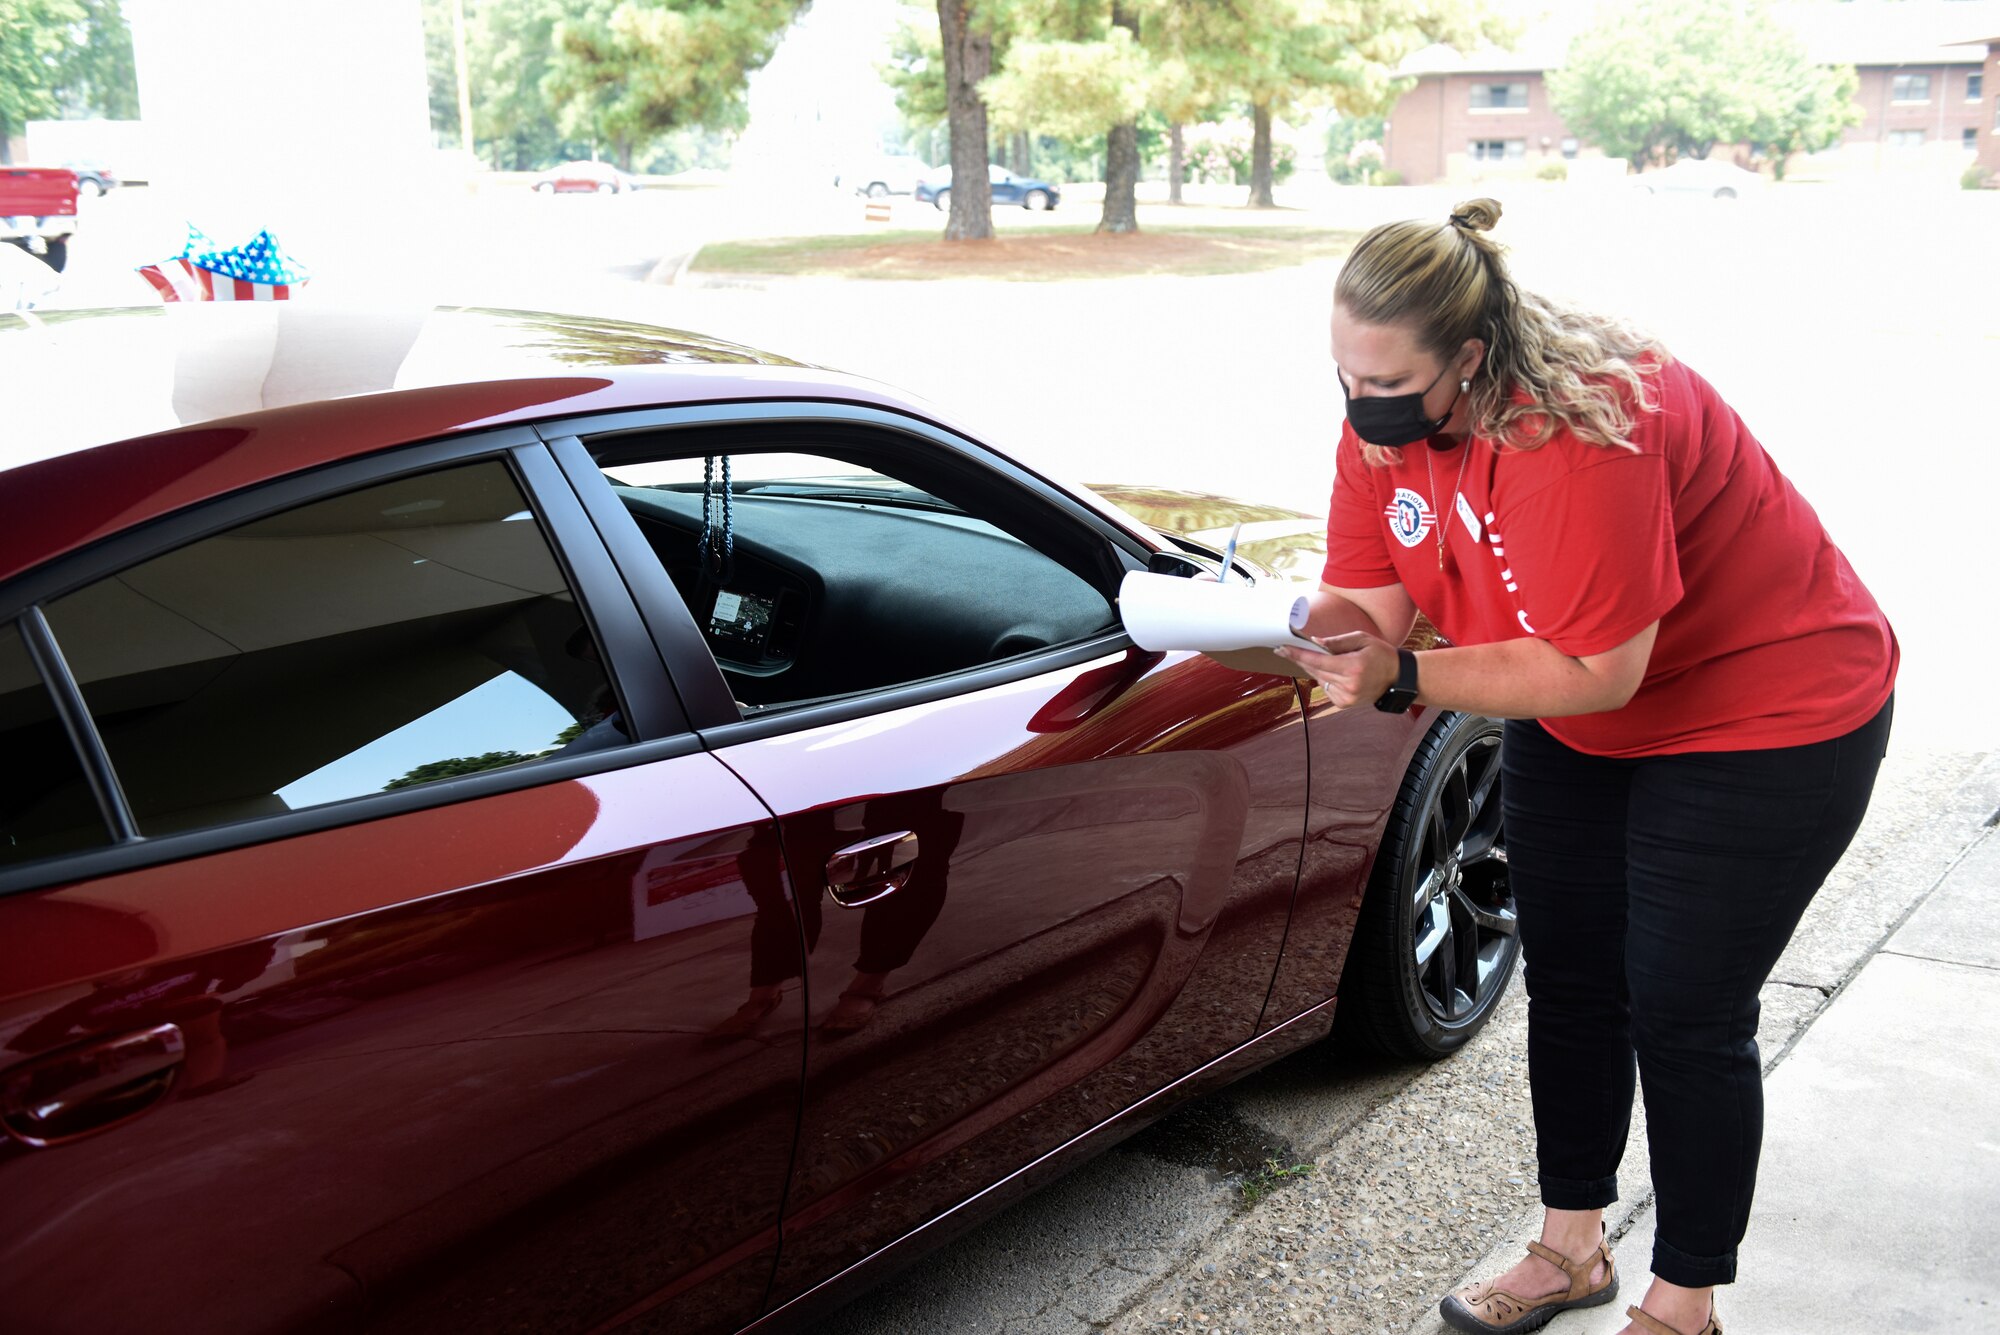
(942, 199)
(606, 188)
(1438, 913)
(92, 188)
(1035, 200)
(57, 254)
(1726, 192)
(877, 190)
(545, 187)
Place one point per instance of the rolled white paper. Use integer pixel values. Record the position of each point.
(1163, 612)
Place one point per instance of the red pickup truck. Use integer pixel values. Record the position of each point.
(38, 211)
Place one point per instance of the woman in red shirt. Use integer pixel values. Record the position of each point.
(1698, 693)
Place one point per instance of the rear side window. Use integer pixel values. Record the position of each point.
(46, 805)
(378, 640)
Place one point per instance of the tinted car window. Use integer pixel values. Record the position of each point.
(45, 804)
(822, 577)
(384, 638)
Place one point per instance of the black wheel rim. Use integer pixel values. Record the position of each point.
(1463, 933)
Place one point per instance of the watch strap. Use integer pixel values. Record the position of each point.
(1403, 692)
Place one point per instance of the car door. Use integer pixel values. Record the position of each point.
(1034, 890)
(375, 963)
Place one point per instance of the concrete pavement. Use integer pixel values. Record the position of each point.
(1878, 1197)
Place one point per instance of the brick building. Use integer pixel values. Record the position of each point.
(1926, 91)
(1987, 154)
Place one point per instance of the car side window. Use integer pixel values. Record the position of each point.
(46, 805)
(813, 575)
(388, 637)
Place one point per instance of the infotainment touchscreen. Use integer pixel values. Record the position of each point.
(740, 625)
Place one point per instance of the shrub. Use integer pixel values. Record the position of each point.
(1552, 171)
(1345, 137)
(1220, 151)
(1974, 178)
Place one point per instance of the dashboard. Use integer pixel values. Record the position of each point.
(830, 595)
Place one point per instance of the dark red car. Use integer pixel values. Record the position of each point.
(513, 823)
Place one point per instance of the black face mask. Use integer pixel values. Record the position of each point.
(1395, 420)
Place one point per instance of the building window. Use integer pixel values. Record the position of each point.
(1499, 96)
(1569, 147)
(1969, 138)
(1975, 86)
(1498, 150)
(1906, 138)
(1910, 88)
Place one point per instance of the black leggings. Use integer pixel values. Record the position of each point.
(1654, 896)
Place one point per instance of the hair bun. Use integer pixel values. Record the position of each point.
(1476, 215)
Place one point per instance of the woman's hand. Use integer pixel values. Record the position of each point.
(1355, 669)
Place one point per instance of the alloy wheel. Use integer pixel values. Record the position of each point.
(1463, 928)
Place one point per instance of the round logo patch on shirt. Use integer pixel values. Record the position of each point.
(1410, 517)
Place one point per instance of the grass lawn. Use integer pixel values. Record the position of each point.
(1046, 254)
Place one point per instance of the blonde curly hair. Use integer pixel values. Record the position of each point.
(1547, 368)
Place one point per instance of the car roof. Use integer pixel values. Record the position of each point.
(119, 416)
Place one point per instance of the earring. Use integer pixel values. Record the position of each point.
(1464, 386)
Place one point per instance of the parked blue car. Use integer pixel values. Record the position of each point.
(1008, 188)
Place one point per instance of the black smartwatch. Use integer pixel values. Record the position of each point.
(1400, 696)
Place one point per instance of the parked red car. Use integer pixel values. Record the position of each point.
(583, 178)
(38, 211)
(523, 823)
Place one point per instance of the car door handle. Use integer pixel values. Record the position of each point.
(862, 873)
(83, 1090)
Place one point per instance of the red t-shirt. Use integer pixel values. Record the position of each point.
(1767, 637)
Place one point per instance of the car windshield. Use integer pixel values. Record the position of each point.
(795, 475)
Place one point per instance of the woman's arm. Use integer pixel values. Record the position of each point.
(1387, 612)
(1525, 678)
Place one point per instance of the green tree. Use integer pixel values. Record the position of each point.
(34, 34)
(1658, 80)
(433, 770)
(512, 51)
(1282, 56)
(1805, 108)
(97, 77)
(1095, 81)
(915, 68)
(627, 71)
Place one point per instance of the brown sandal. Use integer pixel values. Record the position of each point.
(1484, 1308)
(1654, 1326)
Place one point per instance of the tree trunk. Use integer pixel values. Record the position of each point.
(1022, 163)
(1176, 162)
(1121, 180)
(1260, 159)
(968, 58)
(624, 151)
(1121, 156)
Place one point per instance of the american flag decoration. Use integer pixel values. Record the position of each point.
(258, 270)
